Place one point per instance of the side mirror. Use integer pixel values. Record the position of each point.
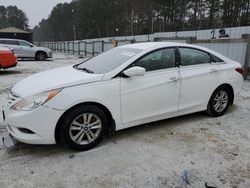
(31, 45)
(134, 71)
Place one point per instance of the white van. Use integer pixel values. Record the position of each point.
(24, 49)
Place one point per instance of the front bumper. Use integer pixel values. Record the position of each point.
(49, 54)
(10, 66)
(33, 127)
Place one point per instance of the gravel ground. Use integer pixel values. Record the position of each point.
(180, 152)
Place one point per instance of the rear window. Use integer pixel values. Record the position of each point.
(11, 42)
(2, 42)
(215, 59)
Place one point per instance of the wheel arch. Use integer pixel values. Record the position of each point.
(111, 125)
(41, 51)
(230, 88)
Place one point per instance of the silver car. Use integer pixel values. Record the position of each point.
(24, 49)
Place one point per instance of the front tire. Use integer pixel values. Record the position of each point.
(83, 127)
(219, 102)
(41, 56)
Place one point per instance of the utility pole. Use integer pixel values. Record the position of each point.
(132, 22)
(99, 32)
(74, 29)
(152, 26)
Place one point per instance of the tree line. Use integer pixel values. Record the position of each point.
(82, 19)
(11, 16)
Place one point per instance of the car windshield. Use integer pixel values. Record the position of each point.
(108, 61)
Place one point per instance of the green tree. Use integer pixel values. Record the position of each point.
(83, 19)
(11, 16)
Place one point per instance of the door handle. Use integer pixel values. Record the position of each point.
(173, 79)
(213, 70)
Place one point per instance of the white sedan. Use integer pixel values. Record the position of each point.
(123, 87)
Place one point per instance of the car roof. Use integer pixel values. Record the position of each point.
(147, 45)
(144, 46)
(11, 39)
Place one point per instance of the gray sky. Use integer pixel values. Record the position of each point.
(36, 10)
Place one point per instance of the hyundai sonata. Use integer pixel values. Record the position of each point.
(123, 87)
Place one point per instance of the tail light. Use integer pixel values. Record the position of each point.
(240, 70)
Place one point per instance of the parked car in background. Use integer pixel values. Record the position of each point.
(7, 58)
(123, 87)
(24, 49)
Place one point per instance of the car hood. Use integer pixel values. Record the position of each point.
(53, 79)
(42, 49)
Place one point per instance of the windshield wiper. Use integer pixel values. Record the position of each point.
(85, 69)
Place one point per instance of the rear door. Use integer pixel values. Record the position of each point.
(2, 42)
(156, 93)
(199, 78)
(11, 44)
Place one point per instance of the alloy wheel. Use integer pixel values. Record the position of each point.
(85, 128)
(221, 101)
(41, 56)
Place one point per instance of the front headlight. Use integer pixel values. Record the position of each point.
(35, 101)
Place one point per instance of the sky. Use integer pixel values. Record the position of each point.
(36, 10)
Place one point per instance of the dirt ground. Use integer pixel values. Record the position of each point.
(180, 152)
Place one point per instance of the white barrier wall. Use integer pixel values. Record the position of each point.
(234, 51)
(231, 49)
(233, 32)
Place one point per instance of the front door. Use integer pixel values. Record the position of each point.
(156, 93)
(25, 49)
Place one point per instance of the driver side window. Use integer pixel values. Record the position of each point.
(157, 60)
(22, 43)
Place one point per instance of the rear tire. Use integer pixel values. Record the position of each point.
(219, 101)
(83, 127)
(41, 56)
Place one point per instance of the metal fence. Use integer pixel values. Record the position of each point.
(86, 48)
